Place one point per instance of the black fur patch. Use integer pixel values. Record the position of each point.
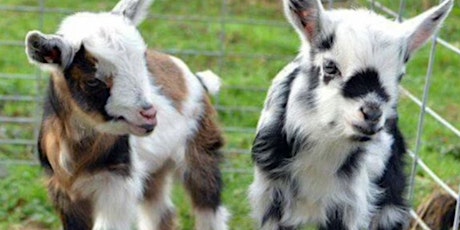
(75, 214)
(116, 160)
(326, 42)
(205, 194)
(399, 226)
(400, 77)
(299, 142)
(313, 83)
(437, 17)
(275, 210)
(406, 58)
(404, 54)
(287, 228)
(335, 221)
(364, 82)
(89, 98)
(44, 161)
(393, 181)
(309, 95)
(359, 138)
(271, 150)
(351, 164)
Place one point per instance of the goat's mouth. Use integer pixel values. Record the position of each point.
(365, 131)
(138, 130)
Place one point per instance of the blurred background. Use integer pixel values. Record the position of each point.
(246, 42)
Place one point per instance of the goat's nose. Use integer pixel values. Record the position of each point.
(371, 113)
(147, 106)
(148, 112)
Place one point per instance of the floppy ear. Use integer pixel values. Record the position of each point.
(48, 51)
(305, 17)
(135, 10)
(420, 28)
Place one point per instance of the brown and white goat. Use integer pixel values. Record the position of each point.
(119, 121)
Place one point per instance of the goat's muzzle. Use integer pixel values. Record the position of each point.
(145, 125)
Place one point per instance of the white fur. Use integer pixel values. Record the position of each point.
(135, 10)
(389, 214)
(212, 220)
(211, 81)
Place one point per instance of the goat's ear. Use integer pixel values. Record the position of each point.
(135, 10)
(420, 28)
(48, 51)
(305, 16)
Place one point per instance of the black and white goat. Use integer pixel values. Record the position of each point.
(328, 149)
(119, 121)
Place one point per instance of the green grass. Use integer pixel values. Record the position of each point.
(23, 200)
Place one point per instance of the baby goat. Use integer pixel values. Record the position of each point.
(328, 150)
(119, 121)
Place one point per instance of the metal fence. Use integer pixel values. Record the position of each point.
(18, 148)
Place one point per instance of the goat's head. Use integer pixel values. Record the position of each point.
(356, 59)
(102, 59)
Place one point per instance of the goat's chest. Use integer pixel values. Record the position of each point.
(337, 173)
(322, 171)
(169, 139)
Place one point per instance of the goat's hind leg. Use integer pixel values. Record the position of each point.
(116, 198)
(201, 174)
(203, 181)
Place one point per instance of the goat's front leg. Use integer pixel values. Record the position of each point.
(115, 200)
(157, 210)
(74, 214)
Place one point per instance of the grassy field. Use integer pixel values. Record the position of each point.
(247, 58)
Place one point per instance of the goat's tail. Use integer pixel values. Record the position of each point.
(210, 81)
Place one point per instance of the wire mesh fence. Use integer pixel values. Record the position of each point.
(20, 107)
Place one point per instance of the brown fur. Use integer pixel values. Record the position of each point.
(203, 179)
(63, 133)
(168, 221)
(155, 182)
(169, 76)
(154, 190)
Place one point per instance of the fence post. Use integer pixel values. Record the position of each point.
(223, 48)
(457, 212)
(402, 8)
(331, 4)
(421, 121)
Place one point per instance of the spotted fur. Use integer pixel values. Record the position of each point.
(328, 150)
(120, 121)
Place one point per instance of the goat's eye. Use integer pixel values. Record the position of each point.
(93, 82)
(330, 68)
